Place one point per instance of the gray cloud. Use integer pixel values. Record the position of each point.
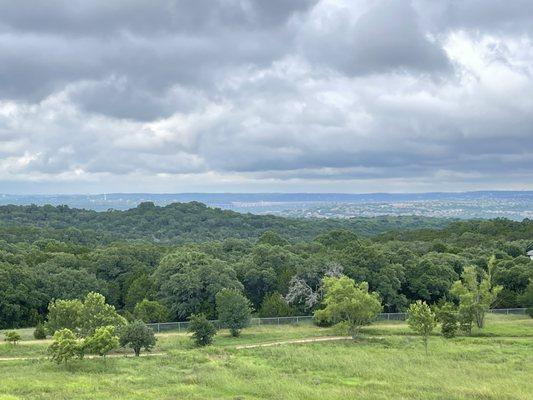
(266, 95)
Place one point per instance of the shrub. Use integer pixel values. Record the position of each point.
(202, 330)
(40, 332)
(447, 316)
(65, 347)
(12, 337)
(63, 314)
(274, 305)
(346, 301)
(137, 335)
(234, 310)
(102, 341)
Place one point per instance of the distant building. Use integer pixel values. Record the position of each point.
(530, 254)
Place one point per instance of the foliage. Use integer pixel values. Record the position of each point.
(422, 320)
(447, 316)
(188, 282)
(137, 336)
(150, 311)
(344, 300)
(63, 314)
(527, 299)
(274, 305)
(65, 346)
(102, 341)
(12, 337)
(234, 310)
(40, 332)
(95, 313)
(476, 297)
(202, 330)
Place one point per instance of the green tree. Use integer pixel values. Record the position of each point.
(274, 305)
(234, 310)
(65, 346)
(40, 332)
(150, 311)
(188, 282)
(202, 330)
(422, 320)
(527, 299)
(63, 314)
(346, 301)
(447, 316)
(96, 313)
(102, 341)
(137, 336)
(12, 337)
(476, 296)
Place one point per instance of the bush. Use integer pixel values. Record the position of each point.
(150, 311)
(137, 335)
(65, 347)
(346, 301)
(274, 305)
(40, 332)
(234, 310)
(102, 341)
(447, 316)
(202, 330)
(12, 337)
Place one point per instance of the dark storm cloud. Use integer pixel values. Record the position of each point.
(320, 91)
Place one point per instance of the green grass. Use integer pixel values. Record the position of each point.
(388, 362)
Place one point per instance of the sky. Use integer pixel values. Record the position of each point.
(347, 96)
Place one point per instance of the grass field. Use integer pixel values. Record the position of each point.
(387, 362)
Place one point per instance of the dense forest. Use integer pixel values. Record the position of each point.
(180, 223)
(180, 256)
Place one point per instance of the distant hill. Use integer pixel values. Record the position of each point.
(515, 205)
(181, 222)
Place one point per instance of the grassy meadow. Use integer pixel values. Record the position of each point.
(387, 362)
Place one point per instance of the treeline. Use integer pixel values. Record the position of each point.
(179, 223)
(156, 281)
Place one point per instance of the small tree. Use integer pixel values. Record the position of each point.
(422, 320)
(447, 316)
(65, 346)
(476, 296)
(274, 305)
(40, 332)
(137, 335)
(63, 314)
(234, 310)
(150, 311)
(202, 330)
(346, 301)
(102, 341)
(12, 337)
(95, 313)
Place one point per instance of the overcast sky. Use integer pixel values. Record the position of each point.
(265, 95)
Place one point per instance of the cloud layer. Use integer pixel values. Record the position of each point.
(250, 95)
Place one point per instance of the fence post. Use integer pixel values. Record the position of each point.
(297, 319)
(158, 330)
(278, 321)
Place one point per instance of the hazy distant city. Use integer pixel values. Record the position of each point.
(490, 204)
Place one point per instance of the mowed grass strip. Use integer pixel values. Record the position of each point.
(381, 366)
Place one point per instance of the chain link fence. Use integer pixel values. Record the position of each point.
(305, 319)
